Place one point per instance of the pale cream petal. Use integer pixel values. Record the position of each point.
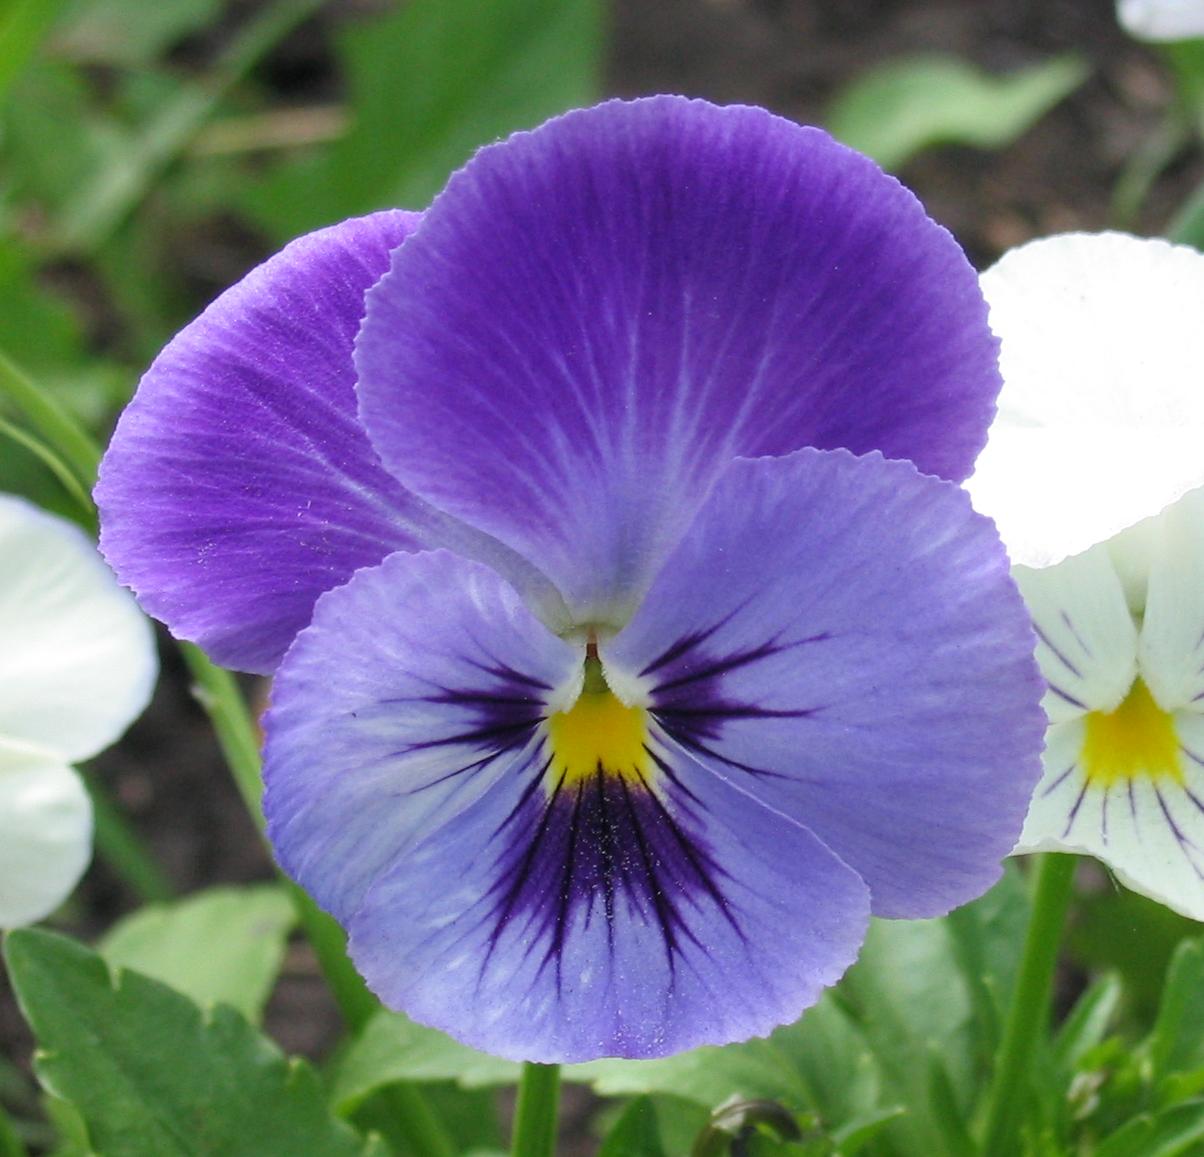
(78, 661)
(1171, 651)
(1101, 416)
(1162, 20)
(45, 832)
(1087, 642)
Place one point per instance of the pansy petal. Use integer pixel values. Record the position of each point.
(407, 788)
(1172, 632)
(1101, 416)
(419, 683)
(1146, 827)
(1087, 644)
(78, 663)
(1162, 19)
(239, 484)
(839, 637)
(613, 919)
(45, 832)
(596, 316)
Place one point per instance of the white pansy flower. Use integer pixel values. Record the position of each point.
(1161, 19)
(77, 665)
(1093, 472)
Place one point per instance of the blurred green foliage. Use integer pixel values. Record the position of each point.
(906, 106)
(151, 152)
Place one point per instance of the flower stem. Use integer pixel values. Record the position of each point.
(124, 851)
(1028, 1015)
(535, 1115)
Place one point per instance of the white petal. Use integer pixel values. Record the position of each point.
(1087, 643)
(45, 832)
(1171, 651)
(1162, 19)
(1149, 831)
(1101, 416)
(77, 663)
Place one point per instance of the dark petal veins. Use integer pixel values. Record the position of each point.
(840, 638)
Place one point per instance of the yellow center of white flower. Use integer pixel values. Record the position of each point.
(599, 734)
(1137, 739)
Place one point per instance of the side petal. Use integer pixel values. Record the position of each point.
(45, 832)
(1172, 631)
(839, 637)
(1087, 642)
(418, 684)
(78, 662)
(1101, 416)
(611, 919)
(239, 485)
(596, 316)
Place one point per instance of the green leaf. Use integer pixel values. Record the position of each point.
(224, 944)
(429, 85)
(897, 110)
(154, 1076)
(1175, 1132)
(393, 1048)
(1177, 1042)
(1087, 1023)
(23, 24)
(635, 1133)
(987, 939)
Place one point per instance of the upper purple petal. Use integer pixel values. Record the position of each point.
(596, 316)
(841, 639)
(239, 484)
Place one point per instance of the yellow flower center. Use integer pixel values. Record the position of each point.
(1136, 739)
(599, 734)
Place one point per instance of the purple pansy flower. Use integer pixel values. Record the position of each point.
(625, 662)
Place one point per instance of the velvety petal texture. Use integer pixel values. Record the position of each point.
(596, 316)
(839, 637)
(239, 484)
(1101, 416)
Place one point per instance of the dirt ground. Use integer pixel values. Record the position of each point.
(792, 56)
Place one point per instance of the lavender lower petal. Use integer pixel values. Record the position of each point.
(611, 918)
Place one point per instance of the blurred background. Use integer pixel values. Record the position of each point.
(152, 151)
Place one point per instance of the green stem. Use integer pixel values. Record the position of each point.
(55, 424)
(536, 1114)
(124, 851)
(1028, 1015)
(10, 1144)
